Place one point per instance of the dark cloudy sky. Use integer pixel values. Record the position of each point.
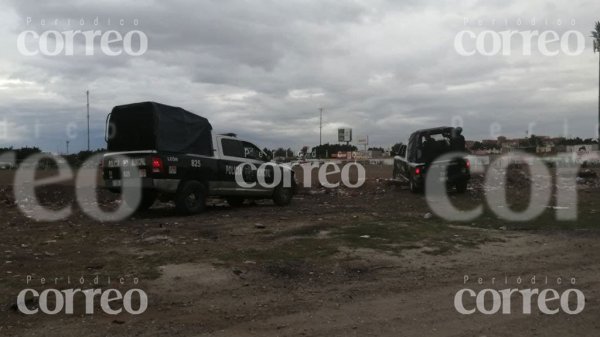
(263, 68)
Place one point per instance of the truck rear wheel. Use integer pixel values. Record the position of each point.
(395, 173)
(414, 187)
(190, 197)
(282, 196)
(461, 187)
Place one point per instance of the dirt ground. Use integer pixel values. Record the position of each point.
(372, 261)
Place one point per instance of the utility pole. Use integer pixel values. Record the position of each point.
(597, 49)
(320, 126)
(87, 93)
(320, 131)
(596, 36)
(67, 147)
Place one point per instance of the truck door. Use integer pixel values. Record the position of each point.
(404, 167)
(401, 164)
(233, 154)
(257, 157)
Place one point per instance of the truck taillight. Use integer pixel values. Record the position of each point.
(157, 165)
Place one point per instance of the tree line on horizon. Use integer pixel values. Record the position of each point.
(321, 151)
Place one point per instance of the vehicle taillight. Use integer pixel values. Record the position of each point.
(468, 163)
(157, 165)
(418, 171)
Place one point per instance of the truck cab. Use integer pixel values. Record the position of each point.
(175, 155)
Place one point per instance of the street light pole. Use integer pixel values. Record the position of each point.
(87, 93)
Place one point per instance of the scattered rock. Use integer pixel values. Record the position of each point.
(158, 239)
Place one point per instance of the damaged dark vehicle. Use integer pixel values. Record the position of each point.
(423, 151)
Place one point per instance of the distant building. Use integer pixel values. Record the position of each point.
(489, 142)
(374, 154)
(582, 148)
(543, 149)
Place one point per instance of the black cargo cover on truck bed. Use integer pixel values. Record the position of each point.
(155, 126)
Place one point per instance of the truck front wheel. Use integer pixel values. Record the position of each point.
(191, 197)
(282, 196)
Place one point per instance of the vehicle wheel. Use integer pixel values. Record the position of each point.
(282, 196)
(461, 187)
(414, 187)
(148, 199)
(235, 201)
(191, 197)
(395, 173)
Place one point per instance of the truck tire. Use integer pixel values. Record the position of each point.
(235, 201)
(148, 199)
(190, 197)
(414, 187)
(461, 187)
(282, 196)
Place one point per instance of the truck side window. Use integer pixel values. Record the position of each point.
(251, 151)
(232, 148)
(402, 151)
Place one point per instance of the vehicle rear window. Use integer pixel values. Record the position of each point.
(232, 148)
(133, 131)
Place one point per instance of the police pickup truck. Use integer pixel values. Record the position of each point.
(423, 151)
(174, 155)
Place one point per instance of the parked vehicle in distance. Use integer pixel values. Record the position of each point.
(177, 157)
(422, 151)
